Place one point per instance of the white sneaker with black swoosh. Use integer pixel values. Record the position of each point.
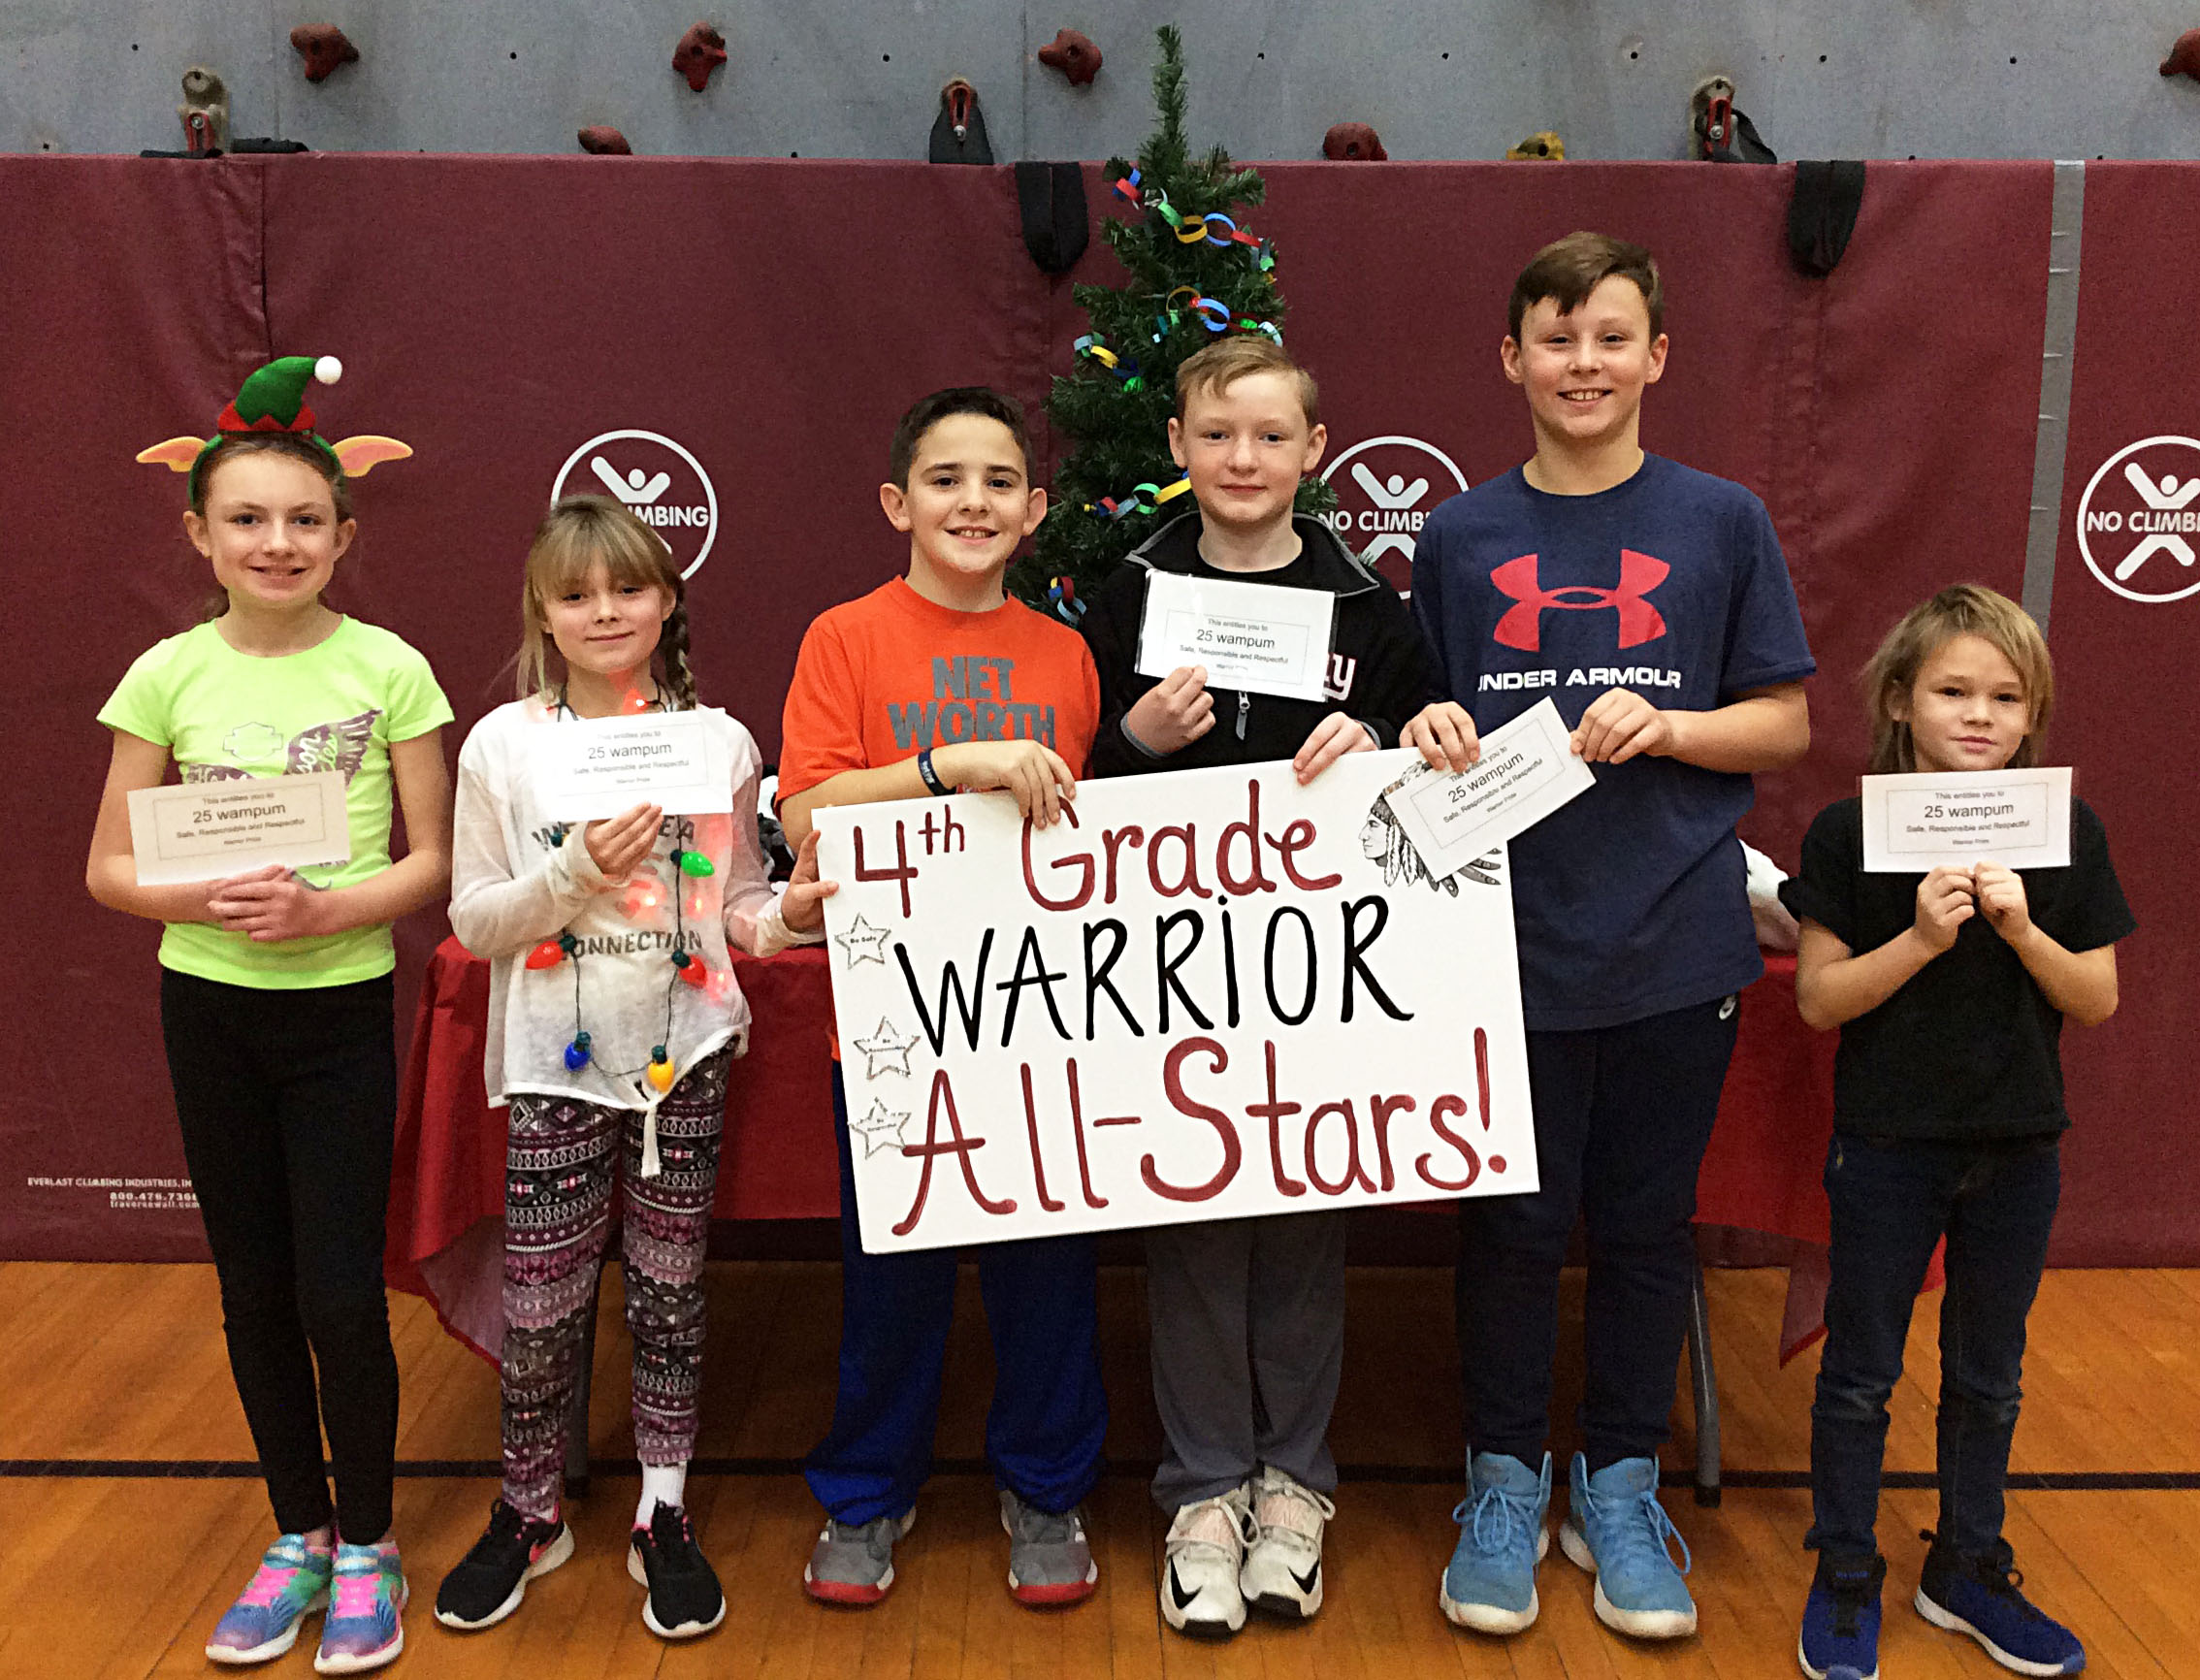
(1281, 1575)
(1199, 1572)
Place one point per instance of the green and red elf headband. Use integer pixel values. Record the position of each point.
(273, 400)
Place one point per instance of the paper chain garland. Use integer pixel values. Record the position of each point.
(1214, 228)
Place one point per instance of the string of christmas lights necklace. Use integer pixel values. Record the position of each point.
(690, 969)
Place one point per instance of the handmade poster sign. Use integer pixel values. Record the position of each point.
(2018, 819)
(595, 767)
(1527, 770)
(1201, 996)
(1251, 636)
(212, 831)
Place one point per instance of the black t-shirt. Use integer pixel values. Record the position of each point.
(1966, 1048)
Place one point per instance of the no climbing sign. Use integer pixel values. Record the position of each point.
(1203, 995)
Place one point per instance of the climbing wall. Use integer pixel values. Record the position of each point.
(850, 78)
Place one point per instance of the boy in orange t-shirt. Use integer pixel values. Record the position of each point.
(931, 683)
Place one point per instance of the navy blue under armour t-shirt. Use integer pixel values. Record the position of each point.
(1630, 900)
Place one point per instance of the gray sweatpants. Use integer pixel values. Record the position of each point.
(1248, 1321)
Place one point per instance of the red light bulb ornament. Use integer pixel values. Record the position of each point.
(552, 952)
(691, 969)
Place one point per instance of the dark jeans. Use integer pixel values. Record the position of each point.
(1622, 1118)
(1049, 1416)
(1893, 1200)
(287, 1102)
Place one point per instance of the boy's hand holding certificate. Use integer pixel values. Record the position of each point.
(595, 767)
(1257, 637)
(1527, 770)
(2018, 819)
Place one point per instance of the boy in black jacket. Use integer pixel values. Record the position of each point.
(1247, 1315)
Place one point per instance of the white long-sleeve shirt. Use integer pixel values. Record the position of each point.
(521, 875)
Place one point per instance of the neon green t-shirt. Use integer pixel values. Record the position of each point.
(224, 715)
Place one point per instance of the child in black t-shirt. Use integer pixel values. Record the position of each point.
(1950, 992)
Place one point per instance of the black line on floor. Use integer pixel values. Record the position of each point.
(1412, 1476)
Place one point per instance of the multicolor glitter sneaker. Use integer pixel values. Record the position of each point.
(364, 1627)
(292, 1579)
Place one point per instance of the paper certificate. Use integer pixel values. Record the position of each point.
(595, 767)
(1256, 636)
(2018, 819)
(1526, 772)
(212, 831)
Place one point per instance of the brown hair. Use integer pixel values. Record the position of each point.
(1966, 610)
(574, 535)
(928, 412)
(1567, 271)
(1226, 361)
(289, 443)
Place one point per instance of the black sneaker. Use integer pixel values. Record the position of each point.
(684, 1597)
(490, 1580)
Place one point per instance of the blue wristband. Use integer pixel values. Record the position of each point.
(931, 777)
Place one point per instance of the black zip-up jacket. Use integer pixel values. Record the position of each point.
(1378, 666)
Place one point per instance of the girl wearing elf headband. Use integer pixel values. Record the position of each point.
(614, 1019)
(276, 991)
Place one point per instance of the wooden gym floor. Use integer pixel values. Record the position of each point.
(129, 1512)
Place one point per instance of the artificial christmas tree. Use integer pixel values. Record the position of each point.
(1194, 272)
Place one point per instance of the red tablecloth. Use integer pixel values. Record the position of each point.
(446, 1229)
(447, 1187)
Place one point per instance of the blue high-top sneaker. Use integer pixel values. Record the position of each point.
(1980, 1596)
(1489, 1585)
(1840, 1618)
(1619, 1532)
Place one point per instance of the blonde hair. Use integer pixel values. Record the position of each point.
(576, 535)
(1966, 610)
(1223, 362)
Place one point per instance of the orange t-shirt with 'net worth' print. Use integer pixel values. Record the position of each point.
(889, 674)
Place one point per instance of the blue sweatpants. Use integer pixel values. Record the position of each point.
(1049, 1416)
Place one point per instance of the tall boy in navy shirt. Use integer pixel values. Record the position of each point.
(1651, 603)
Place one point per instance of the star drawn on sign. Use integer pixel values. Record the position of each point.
(864, 943)
(879, 1129)
(886, 1051)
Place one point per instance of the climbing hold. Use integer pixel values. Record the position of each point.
(325, 48)
(1720, 132)
(1542, 144)
(1073, 53)
(605, 141)
(958, 132)
(1353, 142)
(205, 110)
(2184, 57)
(701, 50)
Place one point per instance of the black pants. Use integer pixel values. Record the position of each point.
(1891, 1202)
(1622, 1118)
(287, 1102)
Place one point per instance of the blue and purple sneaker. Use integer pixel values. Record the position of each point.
(292, 1579)
(364, 1627)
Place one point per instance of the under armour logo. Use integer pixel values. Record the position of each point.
(1640, 622)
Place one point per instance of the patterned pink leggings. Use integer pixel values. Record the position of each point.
(560, 1172)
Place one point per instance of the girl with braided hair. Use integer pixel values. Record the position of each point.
(614, 1018)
